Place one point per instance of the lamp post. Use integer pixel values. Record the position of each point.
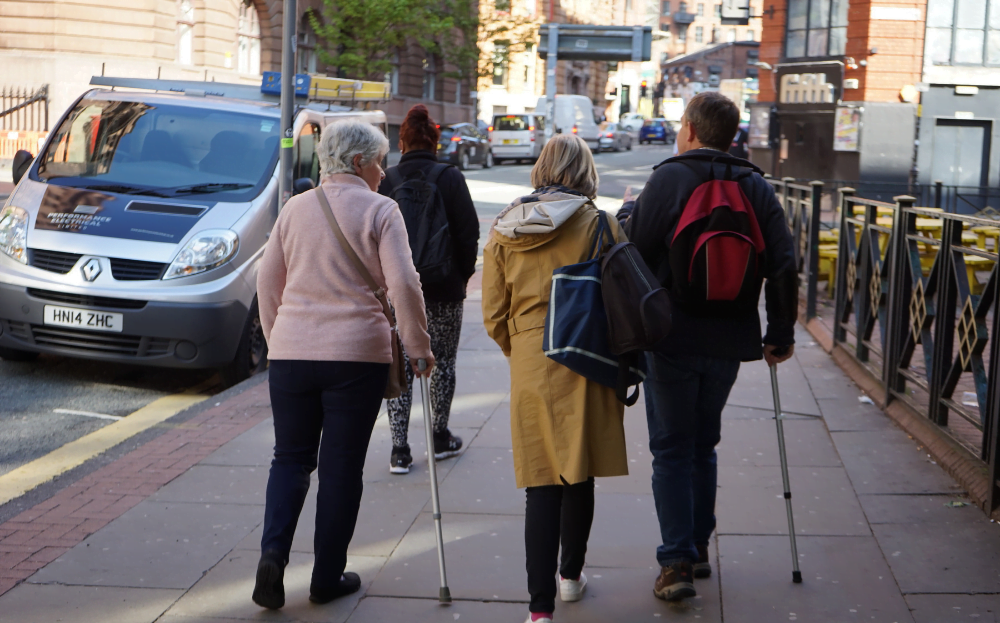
(287, 101)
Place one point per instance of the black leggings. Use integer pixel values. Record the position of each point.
(554, 513)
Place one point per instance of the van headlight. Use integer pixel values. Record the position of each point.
(209, 249)
(14, 233)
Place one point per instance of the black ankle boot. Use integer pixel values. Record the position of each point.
(349, 583)
(269, 591)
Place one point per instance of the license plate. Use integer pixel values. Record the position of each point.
(510, 141)
(82, 318)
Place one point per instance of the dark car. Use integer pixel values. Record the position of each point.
(657, 130)
(463, 145)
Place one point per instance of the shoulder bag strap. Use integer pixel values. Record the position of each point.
(349, 250)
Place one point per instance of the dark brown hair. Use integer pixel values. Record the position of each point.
(418, 130)
(715, 118)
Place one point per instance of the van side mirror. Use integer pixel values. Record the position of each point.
(21, 163)
(301, 185)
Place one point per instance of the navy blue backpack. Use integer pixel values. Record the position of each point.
(576, 324)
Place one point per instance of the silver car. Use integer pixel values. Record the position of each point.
(615, 138)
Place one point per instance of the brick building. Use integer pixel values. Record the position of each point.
(694, 25)
(889, 91)
(63, 43)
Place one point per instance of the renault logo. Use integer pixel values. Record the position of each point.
(91, 269)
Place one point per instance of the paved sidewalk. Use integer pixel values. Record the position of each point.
(877, 538)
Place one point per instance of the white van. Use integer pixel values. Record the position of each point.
(575, 114)
(517, 137)
(136, 233)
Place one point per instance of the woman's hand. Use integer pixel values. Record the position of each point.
(414, 363)
(628, 194)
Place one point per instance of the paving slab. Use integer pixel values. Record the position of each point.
(755, 442)
(919, 509)
(463, 491)
(753, 388)
(48, 603)
(489, 359)
(217, 484)
(388, 509)
(484, 553)
(372, 609)
(736, 412)
(955, 608)
(844, 579)
(625, 532)
(476, 380)
(495, 432)
(751, 501)
(888, 462)
(254, 448)
(943, 558)
(154, 545)
(380, 450)
(225, 591)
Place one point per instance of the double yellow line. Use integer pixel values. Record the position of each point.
(19, 481)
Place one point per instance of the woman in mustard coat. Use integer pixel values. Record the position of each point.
(566, 430)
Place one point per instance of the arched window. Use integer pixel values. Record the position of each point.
(248, 41)
(185, 32)
(307, 46)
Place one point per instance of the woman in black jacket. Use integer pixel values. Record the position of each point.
(444, 296)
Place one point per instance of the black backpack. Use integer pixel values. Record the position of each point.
(638, 309)
(423, 211)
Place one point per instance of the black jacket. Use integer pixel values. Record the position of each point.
(462, 221)
(650, 221)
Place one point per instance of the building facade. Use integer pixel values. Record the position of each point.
(694, 25)
(63, 43)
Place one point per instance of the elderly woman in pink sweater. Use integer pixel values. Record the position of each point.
(330, 350)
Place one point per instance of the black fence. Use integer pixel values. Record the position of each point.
(916, 301)
(951, 199)
(24, 110)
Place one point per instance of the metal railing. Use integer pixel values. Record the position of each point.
(950, 198)
(915, 304)
(23, 109)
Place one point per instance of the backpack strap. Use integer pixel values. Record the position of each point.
(394, 176)
(436, 172)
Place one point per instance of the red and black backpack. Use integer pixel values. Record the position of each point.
(717, 250)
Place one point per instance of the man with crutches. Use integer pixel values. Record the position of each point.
(712, 230)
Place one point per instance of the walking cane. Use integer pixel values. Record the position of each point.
(796, 574)
(444, 595)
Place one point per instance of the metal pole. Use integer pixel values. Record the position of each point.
(813, 251)
(287, 101)
(444, 594)
(796, 574)
(551, 63)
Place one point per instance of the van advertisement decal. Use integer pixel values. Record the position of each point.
(80, 211)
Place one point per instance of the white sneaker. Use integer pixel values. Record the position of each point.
(542, 620)
(572, 590)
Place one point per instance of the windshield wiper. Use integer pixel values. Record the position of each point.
(211, 187)
(124, 188)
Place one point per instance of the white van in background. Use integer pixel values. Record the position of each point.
(517, 136)
(575, 114)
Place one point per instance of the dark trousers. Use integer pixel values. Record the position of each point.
(556, 513)
(339, 400)
(685, 396)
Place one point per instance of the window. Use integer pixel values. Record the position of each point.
(306, 53)
(750, 35)
(682, 33)
(430, 79)
(817, 28)
(248, 37)
(501, 60)
(718, 10)
(185, 31)
(665, 8)
(701, 9)
(306, 162)
(682, 7)
(503, 6)
(699, 34)
(731, 35)
(393, 76)
(963, 33)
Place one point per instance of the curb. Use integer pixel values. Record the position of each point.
(955, 459)
(43, 533)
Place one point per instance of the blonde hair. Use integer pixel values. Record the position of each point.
(566, 161)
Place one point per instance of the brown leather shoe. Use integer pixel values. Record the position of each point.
(702, 568)
(675, 582)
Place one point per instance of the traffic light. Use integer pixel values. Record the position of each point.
(643, 89)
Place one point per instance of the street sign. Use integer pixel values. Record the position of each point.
(599, 43)
(735, 12)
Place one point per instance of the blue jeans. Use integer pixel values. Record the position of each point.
(684, 400)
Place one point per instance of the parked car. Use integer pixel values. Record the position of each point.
(463, 145)
(615, 138)
(632, 121)
(517, 137)
(658, 129)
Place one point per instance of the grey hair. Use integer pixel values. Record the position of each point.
(343, 140)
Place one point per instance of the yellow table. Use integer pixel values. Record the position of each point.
(984, 232)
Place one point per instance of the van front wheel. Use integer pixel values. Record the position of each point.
(251, 354)
(13, 354)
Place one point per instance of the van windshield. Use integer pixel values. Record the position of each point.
(161, 150)
(511, 123)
